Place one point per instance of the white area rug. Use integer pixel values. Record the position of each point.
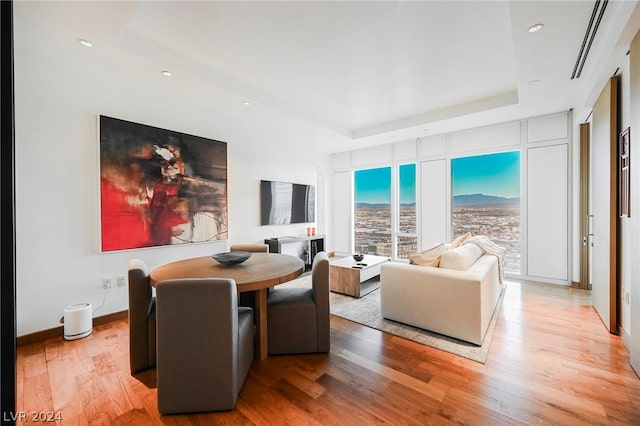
(366, 311)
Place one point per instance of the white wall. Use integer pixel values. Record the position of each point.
(547, 219)
(625, 235)
(632, 254)
(434, 206)
(60, 90)
(548, 198)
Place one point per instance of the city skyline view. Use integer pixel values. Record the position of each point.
(372, 195)
(485, 200)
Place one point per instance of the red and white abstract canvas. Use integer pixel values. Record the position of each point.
(159, 187)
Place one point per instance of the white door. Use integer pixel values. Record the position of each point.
(602, 253)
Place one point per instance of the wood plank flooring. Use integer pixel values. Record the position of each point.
(551, 362)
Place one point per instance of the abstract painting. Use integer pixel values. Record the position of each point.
(159, 187)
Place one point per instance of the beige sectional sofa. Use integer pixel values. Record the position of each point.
(455, 299)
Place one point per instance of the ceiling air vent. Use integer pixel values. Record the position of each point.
(592, 28)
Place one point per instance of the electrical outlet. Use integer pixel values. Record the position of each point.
(122, 281)
(106, 283)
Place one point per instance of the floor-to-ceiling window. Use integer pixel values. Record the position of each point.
(382, 219)
(486, 201)
(407, 237)
(372, 197)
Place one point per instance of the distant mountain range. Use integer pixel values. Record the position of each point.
(476, 199)
(458, 201)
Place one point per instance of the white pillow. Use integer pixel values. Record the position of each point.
(460, 258)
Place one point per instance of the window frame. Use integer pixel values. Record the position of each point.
(522, 199)
(391, 203)
(397, 232)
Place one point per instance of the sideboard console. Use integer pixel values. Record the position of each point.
(305, 247)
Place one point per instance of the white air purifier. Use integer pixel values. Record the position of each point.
(78, 321)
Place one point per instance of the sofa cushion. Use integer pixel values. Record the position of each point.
(429, 257)
(460, 239)
(460, 258)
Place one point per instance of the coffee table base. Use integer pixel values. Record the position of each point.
(347, 280)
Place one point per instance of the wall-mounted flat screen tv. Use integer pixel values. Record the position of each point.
(282, 203)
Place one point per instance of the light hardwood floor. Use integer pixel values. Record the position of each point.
(551, 362)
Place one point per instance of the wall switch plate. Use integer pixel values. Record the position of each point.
(121, 281)
(106, 282)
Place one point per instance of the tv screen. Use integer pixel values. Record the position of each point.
(282, 203)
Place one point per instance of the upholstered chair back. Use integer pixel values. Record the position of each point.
(298, 317)
(142, 318)
(205, 345)
(320, 285)
(253, 248)
(248, 298)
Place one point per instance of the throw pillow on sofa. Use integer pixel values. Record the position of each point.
(460, 258)
(429, 257)
(460, 239)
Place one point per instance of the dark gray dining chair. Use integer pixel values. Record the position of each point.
(205, 345)
(142, 318)
(248, 298)
(298, 318)
(250, 247)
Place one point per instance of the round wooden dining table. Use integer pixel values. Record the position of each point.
(259, 272)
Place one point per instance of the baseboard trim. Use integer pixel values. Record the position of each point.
(43, 335)
(626, 339)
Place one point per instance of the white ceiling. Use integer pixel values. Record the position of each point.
(372, 72)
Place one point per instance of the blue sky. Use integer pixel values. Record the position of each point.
(407, 183)
(374, 185)
(491, 174)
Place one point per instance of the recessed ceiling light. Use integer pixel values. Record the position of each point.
(298, 122)
(167, 73)
(534, 82)
(85, 43)
(246, 103)
(535, 28)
